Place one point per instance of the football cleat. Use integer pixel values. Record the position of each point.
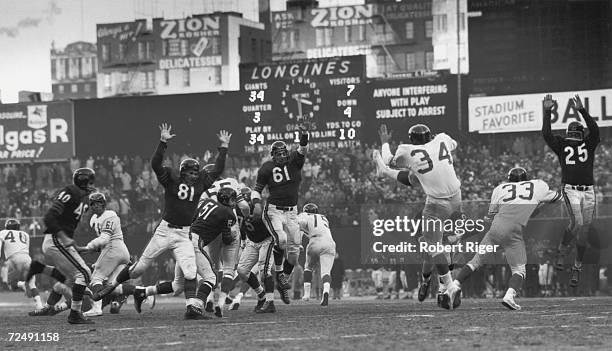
(218, 312)
(76, 317)
(305, 298)
(260, 304)
(140, 295)
(284, 295)
(209, 307)
(98, 295)
(45, 311)
(193, 312)
(234, 306)
(92, 313)
(424, 289)
(267, 307)
(228, 300)
(325, 300)
(451, 299)
(508, 301)
(575, 276)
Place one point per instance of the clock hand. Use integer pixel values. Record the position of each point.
(304, 101)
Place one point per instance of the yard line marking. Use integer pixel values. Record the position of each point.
(357, 336)
(597, 317)
(289, 339)
(252, 323)
(414, 315)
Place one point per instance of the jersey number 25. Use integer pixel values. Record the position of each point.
(581, 150)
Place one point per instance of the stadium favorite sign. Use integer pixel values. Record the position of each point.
(36, 132)
(518, 113)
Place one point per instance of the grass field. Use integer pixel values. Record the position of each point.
(353, 324)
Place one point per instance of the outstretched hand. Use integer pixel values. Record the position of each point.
(166, 132)
(384, 134)
(548, 102)
(577, 102)
(224, 137)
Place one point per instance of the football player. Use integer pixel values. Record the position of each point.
(512, 203)
(61, 221)
(114, 255)
(576, 154)
(15, 248)
(225, 257)
(259, 245)
(282, 175)
(181, 194)
(213, 218)
(429, 160)
(321, 248)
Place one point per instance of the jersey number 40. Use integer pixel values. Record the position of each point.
(11, 236)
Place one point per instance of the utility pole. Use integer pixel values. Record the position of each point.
(459, 107)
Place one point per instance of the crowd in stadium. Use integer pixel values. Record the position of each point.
(339, 180)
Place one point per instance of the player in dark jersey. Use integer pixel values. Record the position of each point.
(182, 190)
(213, 218)
(258, 247)
(282, 175)
(68, 267)
(576, 153)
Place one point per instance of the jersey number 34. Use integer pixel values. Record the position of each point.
(443, 154)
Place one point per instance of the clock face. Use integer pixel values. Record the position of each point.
(300, 98)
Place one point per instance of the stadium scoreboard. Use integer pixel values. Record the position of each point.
(278, 98)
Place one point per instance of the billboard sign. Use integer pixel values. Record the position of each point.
(36, 132)
(519, 113)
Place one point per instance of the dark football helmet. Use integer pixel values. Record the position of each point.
(227, 196)
(310, 208)
(12, 224)
(209, 168)
(246, 193)
(517, 174)
(84, 178)
(419, 134)
(279, 152)
(575, 131)
(97, 202)
(189, 170)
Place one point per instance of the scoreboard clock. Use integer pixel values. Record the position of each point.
(278, 98)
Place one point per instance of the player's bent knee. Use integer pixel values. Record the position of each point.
(519, 269)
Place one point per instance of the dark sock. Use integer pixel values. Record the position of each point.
(516, 281)
(226, 284)
(567, 237)
(124, 275)
(253, 281)
(442, 268)
(326, 279)
(166, 287)
(278, 255)
(426, 275)
(580, 250)
(128, 289)
(269, 284)
(77, 292)
(190, 288)
(96, 288)
(307, 276)
(464, 273)
(54, 273)
(34, 292)
(53, 298)
(287, 267)
(204, 290)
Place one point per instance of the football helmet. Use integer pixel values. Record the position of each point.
(279, 152)
(419, 134)
(84, 178)
(189, 170)
(12, 224)
(517, 174)
(575, 131)
(97, 202)
(209, 168)
(227, 196)
(310, 208)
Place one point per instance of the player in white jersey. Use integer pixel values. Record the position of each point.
(512, 204)
(114, 255)
(429, 161)
(15, 248)
(321, 248)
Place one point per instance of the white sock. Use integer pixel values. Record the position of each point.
(446, 279)
(151, 290)
(39, 304)
(511, 292)
(326, 288)
(238, 297)
(119, 289)
(97, 306)
(221, 300)
(211, 297)
(76, 305)
(270, 296)
(307, 290)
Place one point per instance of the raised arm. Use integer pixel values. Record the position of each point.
(550, 139)
(593, 136)
(224, 138)
(385, 137)
(404, 176)
(163, 175)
